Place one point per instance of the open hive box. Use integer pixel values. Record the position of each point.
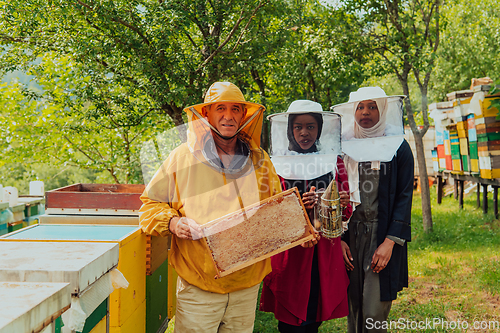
(257, 232)
(96, 199)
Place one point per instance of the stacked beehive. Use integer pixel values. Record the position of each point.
(488, 132)
(34, 207)
(472, 136)
(4, 216)
(149, 301)
(442, 115)
(460, 145)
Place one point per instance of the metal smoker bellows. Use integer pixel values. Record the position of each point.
(329, 212)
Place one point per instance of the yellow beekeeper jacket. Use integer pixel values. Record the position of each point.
(187, 184)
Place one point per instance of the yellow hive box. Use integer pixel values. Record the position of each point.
(132, 263)
(490, 174)
(463, 133)
(474, 165)
(457, 165)
(464, 146)
(461, 126)
(485, 104)
(136, 323)
(157, 249)
(172, 292)
(100, 327)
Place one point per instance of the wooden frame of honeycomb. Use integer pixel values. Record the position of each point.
(257, 232)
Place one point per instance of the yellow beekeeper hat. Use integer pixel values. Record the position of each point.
(221, 92)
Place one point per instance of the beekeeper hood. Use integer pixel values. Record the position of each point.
(305, 147)
(200, 131)
(379, 142)
(199, 135)
(376, 143)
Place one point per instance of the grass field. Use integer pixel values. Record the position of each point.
(454, 273)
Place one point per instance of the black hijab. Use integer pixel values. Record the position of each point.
(292, 143)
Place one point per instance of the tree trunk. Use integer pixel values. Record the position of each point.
(424, 182)
(175, 114)
(419, 147)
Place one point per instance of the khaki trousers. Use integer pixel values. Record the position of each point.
(206, 312)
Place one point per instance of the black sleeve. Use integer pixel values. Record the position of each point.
(401, 213)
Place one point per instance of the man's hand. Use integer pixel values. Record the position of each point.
(310, 198)
(346, 252)
(312, 242)
(185, 228)
(344, 198)
(382, 255)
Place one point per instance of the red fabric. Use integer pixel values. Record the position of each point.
(286, 289)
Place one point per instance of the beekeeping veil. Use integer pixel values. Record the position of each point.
(196, 179)
(376, 144)
(289, 159)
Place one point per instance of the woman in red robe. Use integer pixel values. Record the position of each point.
(308, 284)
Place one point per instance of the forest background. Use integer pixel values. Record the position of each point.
(88, 85)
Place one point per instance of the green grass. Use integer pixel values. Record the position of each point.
(454, 270)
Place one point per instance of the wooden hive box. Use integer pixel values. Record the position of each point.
(257, 232)
(32, 306)
(124, 303)
(97, 199)
(82, 265)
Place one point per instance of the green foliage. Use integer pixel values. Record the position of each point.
(470, 44)
(108, 76)
(119, 69)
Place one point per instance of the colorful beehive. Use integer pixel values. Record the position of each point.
(447, 150)
(33, 205)
(160, 276)
(442, 113)
(4, 218)
(435, 160)
(32, 306)
(462, 128)
(487, 132)
(95, 199)
(85, 266)
(118, 205)
(474, 157)
(472, 137)
(464, 154)
(441, 157)
(455, 150)
(18, 217)
(127, 306)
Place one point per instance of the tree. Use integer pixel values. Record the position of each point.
(470, 44)
(301, 57)
(118, 68)
(403, 37)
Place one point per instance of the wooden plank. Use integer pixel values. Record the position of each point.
(95, 211)
(113, 188)
(461, 194)
(89, 219)
(478, 193)
(439, 189)
(495, 201)
(260, 230)
(455, 190)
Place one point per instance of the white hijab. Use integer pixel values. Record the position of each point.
(362, 133)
